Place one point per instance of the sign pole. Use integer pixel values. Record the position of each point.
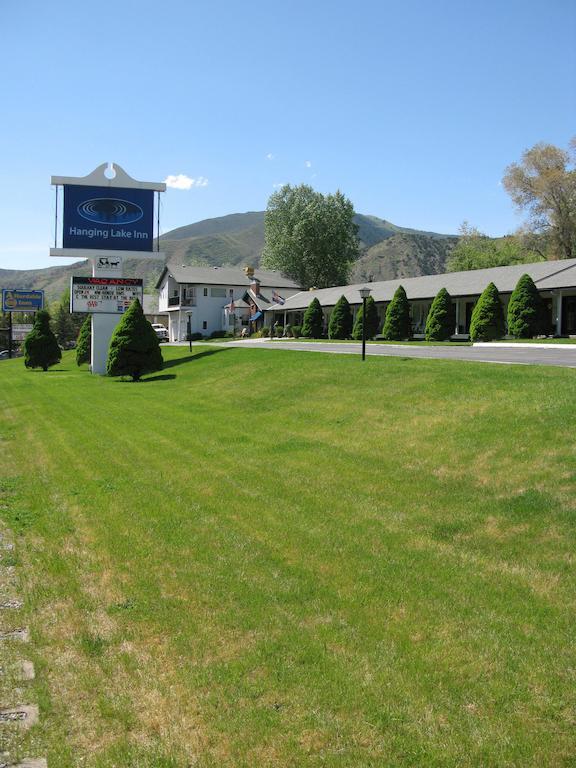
(10, 335)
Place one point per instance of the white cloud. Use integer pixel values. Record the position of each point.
(269, 156)
(308, 164)
(181, 181)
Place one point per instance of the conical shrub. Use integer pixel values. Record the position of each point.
(397, 325)
(372, 320)
(40, 346)
(441, 319)
(134, 347)
(313, 321)
(340, 325)
(84, 342)
(525, 310)
(487, 321)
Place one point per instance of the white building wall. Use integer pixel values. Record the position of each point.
(207, 315)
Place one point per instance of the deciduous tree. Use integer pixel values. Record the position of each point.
(310, 237)
(543, 184)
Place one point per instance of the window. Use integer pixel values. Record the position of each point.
(231, 292)
(204, 325)
(218, 293)
(205, 291)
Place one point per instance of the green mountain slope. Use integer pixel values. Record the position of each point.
(238, 239)
(403, 255)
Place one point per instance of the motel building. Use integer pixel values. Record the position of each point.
(207, 299)
(555, 280)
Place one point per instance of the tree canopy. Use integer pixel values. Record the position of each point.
(372, 320)
(40, 346)
(441, 320)
(134, 347)
(313, 321)
(340, 325)
(84, 342)
(397, 324)
(487, 323)
(476, 250)
(310, 237)
(543, 184)
(526, 310)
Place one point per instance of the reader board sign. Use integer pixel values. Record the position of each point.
(22, 301)
(110, 295)
(109, 218)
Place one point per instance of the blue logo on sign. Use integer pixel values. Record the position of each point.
(106, 210)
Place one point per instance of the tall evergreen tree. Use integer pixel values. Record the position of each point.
(134, 347)
(441, 320)
(397, 325)
(313, 321)
(525, 310)
(40, 346)
(487, 321)
(340, 325)
(372, 320)
(84, 342)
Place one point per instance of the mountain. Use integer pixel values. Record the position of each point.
(237, 239)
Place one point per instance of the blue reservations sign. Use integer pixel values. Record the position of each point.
(21, 301)
(110, 218)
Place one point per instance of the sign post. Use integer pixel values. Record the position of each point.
(19, 300)
(108, 218)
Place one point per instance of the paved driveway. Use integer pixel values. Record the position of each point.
(563, 355)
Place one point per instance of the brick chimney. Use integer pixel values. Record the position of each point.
(255, 286)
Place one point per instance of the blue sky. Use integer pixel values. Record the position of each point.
(412, 109)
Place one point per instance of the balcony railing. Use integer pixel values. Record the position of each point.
(182, 301)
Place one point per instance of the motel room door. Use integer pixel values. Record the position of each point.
(569, 315)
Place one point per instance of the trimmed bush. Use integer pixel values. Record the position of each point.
(441, 320)
(397, 325)
(40, 346)
(340, 325)
(84, 342)
(487, 321)
(296, 331)
(372, 320)
(134, 347)
(525, 310)
(196, 336)
(313, 321)
(218, 334)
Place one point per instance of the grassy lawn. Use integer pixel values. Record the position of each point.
(259, 558)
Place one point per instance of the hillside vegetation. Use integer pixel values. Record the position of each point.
(238, 239)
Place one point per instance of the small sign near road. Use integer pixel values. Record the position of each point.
(16, 300)
(109, 295)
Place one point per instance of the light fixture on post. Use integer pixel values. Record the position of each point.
(364, 293)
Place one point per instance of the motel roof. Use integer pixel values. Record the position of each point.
(547, 275)
(224, 276)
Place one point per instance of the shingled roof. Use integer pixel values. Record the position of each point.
(224, 276)
(548, 275)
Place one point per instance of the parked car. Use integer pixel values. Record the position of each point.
(161, 331)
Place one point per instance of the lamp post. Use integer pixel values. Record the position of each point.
(364, 293)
